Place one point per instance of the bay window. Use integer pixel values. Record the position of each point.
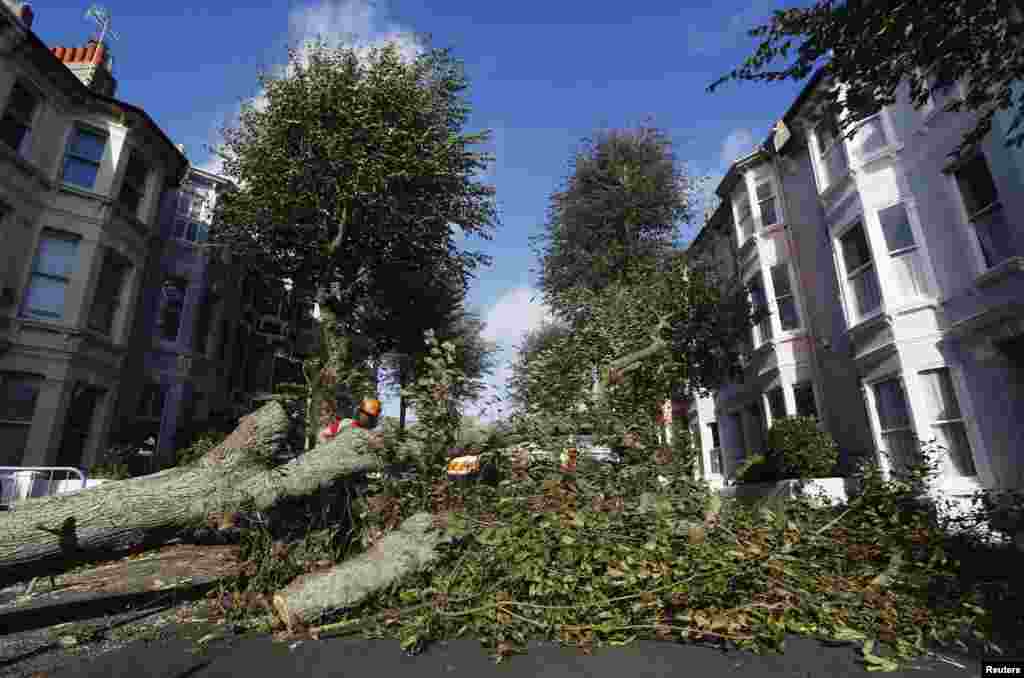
(832, 166)
(18, 395)
(109, 288)
(172, 305)
(82, 157)
(16, 123)
(767, 203)
(865, 296)
(803, 395)
(759, 300)
(744, 216)
(981, 199)
(784, 299)
(947, 420)
(51, 273)
(776, 404)
(895, 427)
(133, 187)
(904, 254)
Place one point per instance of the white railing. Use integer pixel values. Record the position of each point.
(25, 482)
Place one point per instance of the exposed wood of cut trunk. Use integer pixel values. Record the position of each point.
(408, 549)
(52, 534)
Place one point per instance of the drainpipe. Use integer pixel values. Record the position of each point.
(795, 259)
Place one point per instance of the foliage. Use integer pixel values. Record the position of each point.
(681, 304)
(625, 198)
(874, 47)
(757, 469)
(798, 448)
(603, 556)
(355, 165)
(434, 396)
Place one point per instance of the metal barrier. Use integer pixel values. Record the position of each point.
(25, 482)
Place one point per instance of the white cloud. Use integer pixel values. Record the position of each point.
(513, 314)
(737, 144)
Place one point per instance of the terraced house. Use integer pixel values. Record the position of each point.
(117, 318)
(82, 176)
(894, 279)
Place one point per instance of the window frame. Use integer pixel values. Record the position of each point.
(823, 152)
(772, 197)
(187, 220)
(21, 423)
(775, 396)
(162, 319)
(853, 315)
(876, 419)
(34, 273)
(744, 213)
(25, 143)
(961, 420)
(113, 301)
(132, 194)
(144, 411)
(807, 386)
(974, 215)
(76, 128)
(761, 332)
(789, 296)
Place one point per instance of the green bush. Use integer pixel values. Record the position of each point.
(797, 449)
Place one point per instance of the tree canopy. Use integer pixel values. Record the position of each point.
(357, 160)
(871, 47)
(356, 170)
(625, 198)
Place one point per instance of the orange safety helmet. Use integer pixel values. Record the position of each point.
(370, 406)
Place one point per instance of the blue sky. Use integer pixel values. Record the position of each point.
(543, 76)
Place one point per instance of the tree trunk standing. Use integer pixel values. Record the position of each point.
(50, 535)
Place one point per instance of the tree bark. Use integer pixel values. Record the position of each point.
(408, 549)
(50, 535)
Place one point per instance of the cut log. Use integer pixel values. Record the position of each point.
(49, 535)
(407, 549)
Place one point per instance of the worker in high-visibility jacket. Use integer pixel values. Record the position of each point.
(367, 415)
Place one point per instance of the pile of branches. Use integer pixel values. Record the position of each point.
(607, 554)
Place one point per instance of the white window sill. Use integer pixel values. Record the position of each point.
(1000, 271)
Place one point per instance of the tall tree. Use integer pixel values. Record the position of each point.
(872, 46)
(625, 198)
(358, 159)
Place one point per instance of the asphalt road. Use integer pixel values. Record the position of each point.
(255, 656)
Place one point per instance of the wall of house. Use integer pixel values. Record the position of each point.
(64, 351)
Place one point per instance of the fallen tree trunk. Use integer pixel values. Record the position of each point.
(399, 553)
(50, 535)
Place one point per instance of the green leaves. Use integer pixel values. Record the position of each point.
(875, 47)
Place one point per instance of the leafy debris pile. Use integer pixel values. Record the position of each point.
(607, 554)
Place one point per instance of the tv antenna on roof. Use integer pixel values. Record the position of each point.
(101, 16)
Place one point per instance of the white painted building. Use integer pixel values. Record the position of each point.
(895, 285)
